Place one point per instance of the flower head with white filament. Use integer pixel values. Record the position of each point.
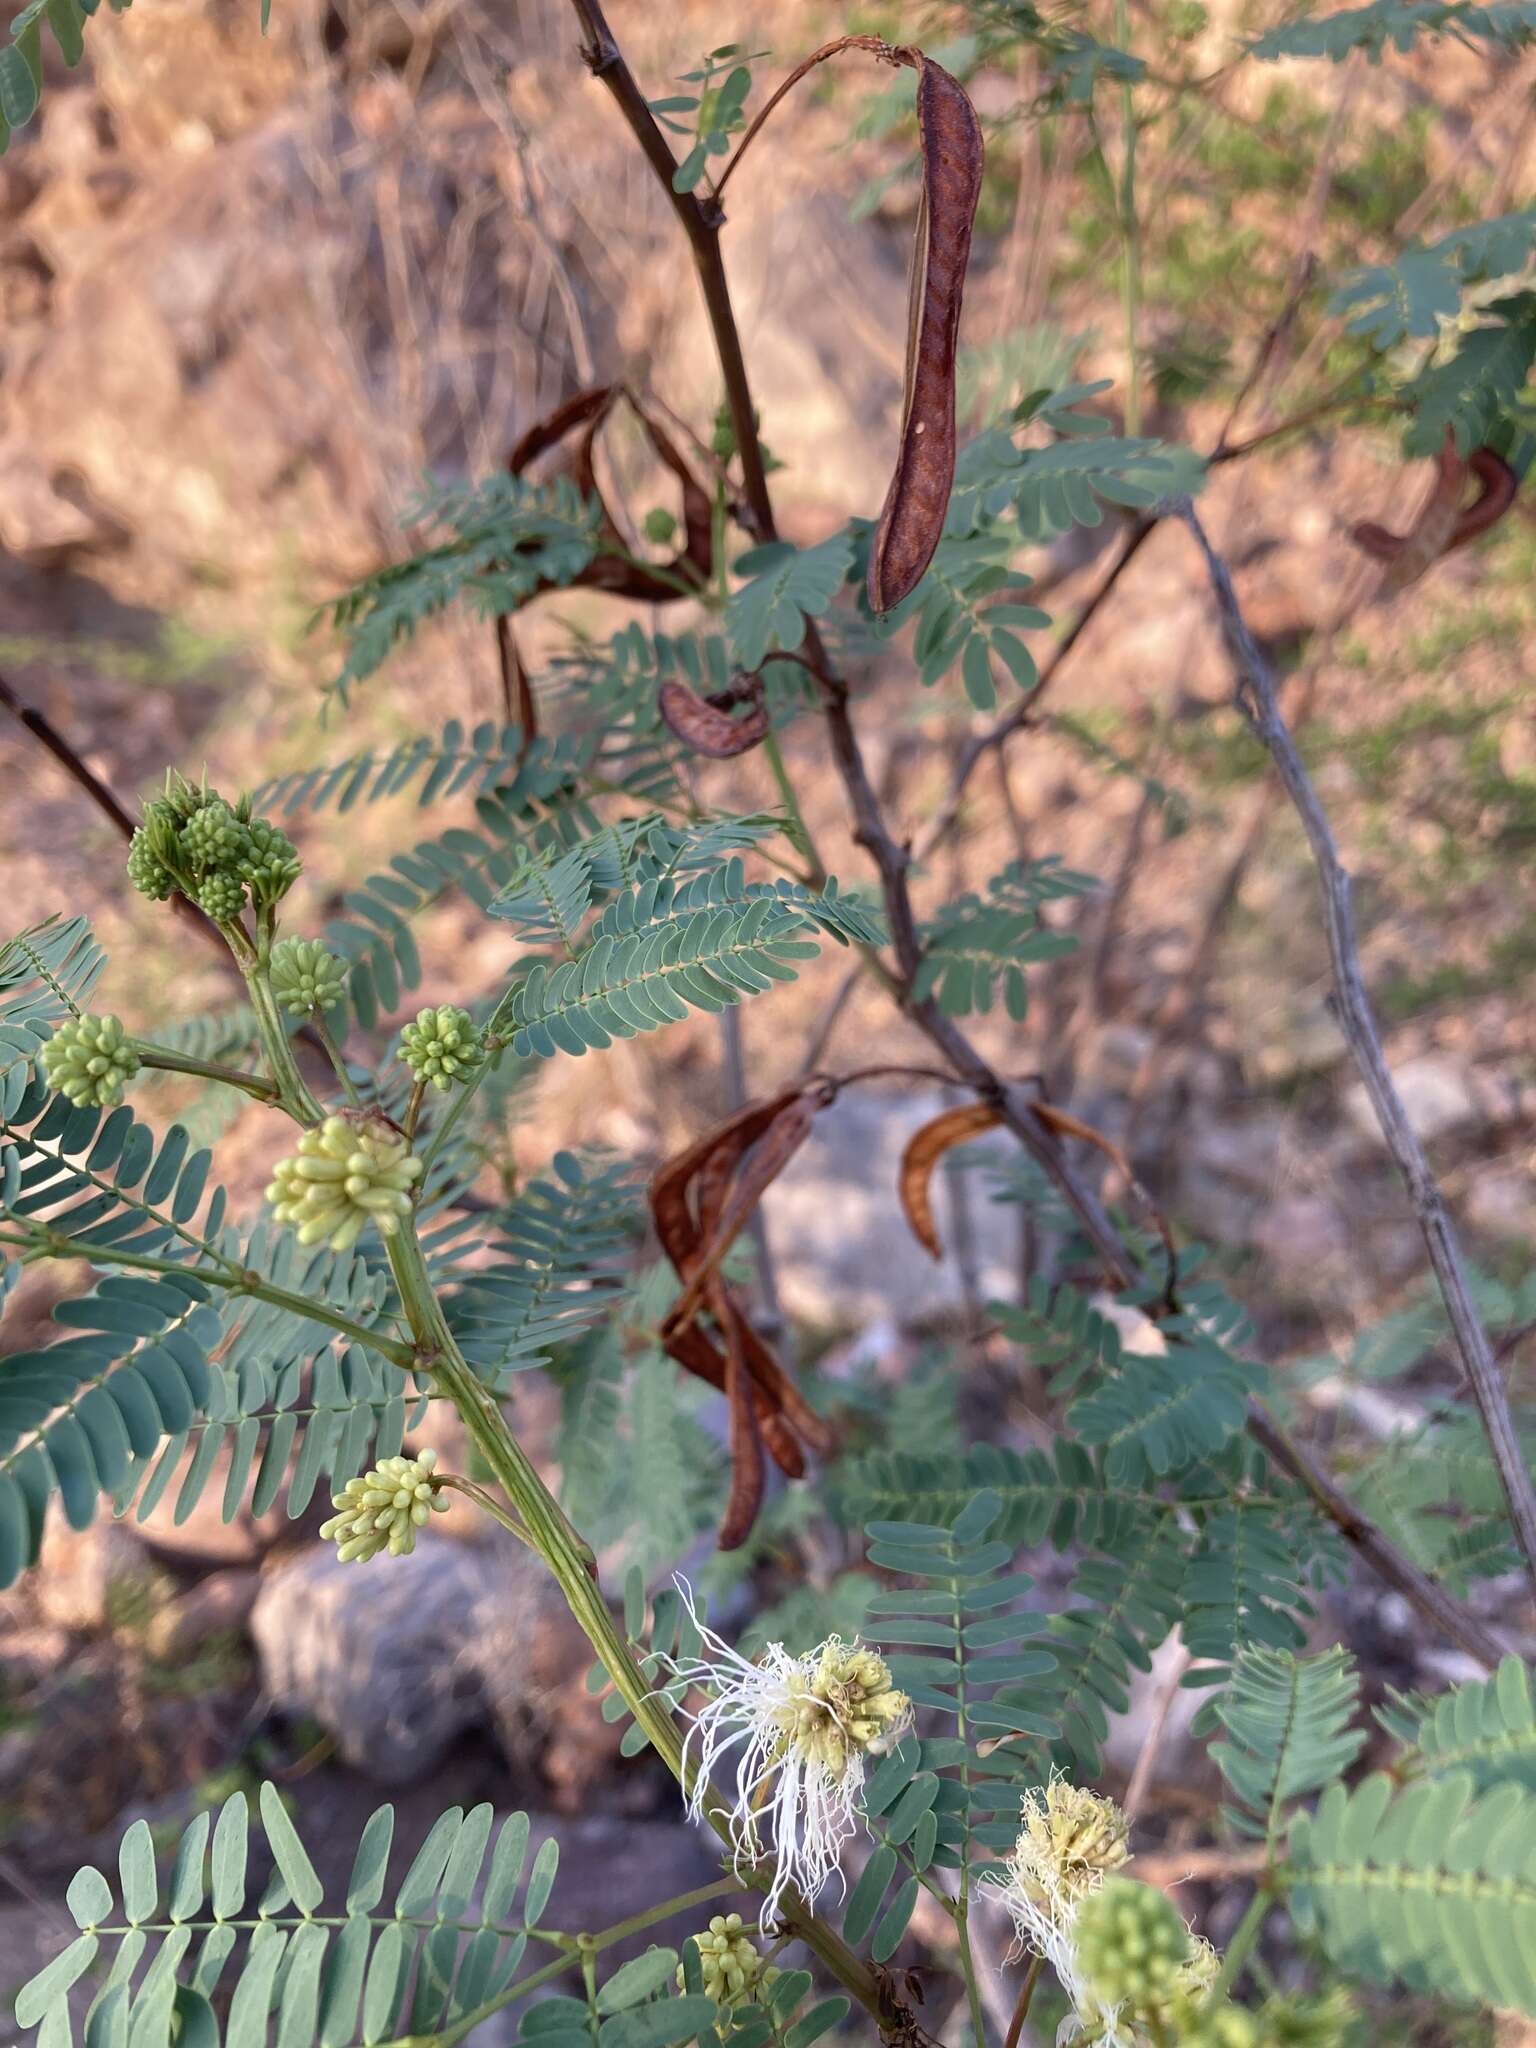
(793, 1732)
(1069, 1840)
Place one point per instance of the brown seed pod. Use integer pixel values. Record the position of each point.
(925, 1148)
(760, 1167)
(918, 499)
(700, 1200)
(517, 699)
(1500, 484)
(747, 1475)
(1443, 522)
(580, 419)
(704, 729)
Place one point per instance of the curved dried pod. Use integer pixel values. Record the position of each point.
(925, 1148)
(579, 420)
(770, 1152)
(1444, 522)
(748, 1477)
(1499, 488)
(918, 499)
(705, 728)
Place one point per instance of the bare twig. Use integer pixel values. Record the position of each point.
(1259, 704)
(876, 45)
(106, 800)
(891, 860)
(998, 734)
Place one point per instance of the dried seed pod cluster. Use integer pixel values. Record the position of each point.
(701, 1201)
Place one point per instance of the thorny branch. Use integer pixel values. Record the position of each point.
(891, 860)
(1259, 704)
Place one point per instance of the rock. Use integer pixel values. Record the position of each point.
(397, 1657)
(1227, 1171)
(78, 1569)
(1300, 1233)
(376, 1653)
(1503, 1202)
(1442, 1098)
(217, 1606)
(844, 1251)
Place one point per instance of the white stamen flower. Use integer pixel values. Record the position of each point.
(801, 1728)
(383, 1508)
(1069, 1840)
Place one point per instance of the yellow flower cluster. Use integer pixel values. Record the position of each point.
(382, 1509)
(1069, 1839)
(732, 1965)
(349, 1172)
(841, 1706)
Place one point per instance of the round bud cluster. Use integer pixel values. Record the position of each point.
(1131, 1944)
(270, 863)
(88, 1059)
(844, 1705)
(306, 977)
(222, 896)
(212, 851)
(441, 1046)
(212, 838)
(1223, 2026)
(146, 870)
(351, 1171)
(732, 1966)
(382, 1509)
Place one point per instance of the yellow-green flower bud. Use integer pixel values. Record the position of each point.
(1131, 1944)
(732, 1965)
(306, 977)
(351, 1171)
(270, 862)
(213, 838)
(442, 1045)
(382, 1509)
(147, 870)
(88, 1059)
(222, 896)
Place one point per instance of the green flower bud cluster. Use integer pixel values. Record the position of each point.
(88, 1059)
(305, 977)
(382, 1509)
(351, 1171)
(732, 1966)
(213, 852)
(442, 1046)
(1131, 1944)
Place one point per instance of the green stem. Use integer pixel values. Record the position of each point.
(293, 1092)
(1238, 1948)
(337, 1059)
(1026, 1999)
(592, 1944)
(575, 1572)
(773, 755)
(456, 1483)
(163, 1060)
(963, 1901)
(444, 1131)
(234, 1279)
(1130, 230)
